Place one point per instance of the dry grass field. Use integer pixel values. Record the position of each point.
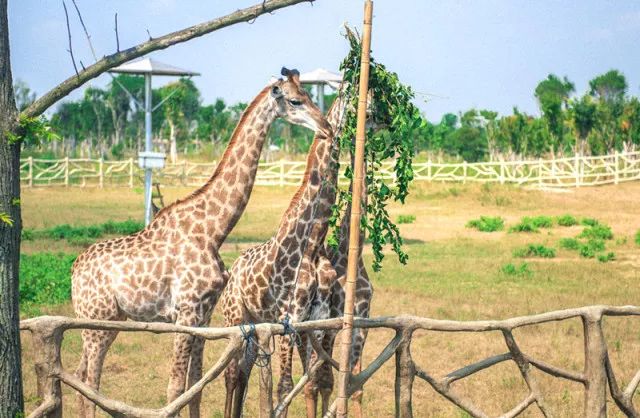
(453, 273)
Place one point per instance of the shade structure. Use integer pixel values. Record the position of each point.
(153, 67)
(321, 76)
(148, 159)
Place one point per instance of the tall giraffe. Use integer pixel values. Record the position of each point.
(286, 278)
(171, 271)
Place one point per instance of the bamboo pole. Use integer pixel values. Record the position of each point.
(344, 372)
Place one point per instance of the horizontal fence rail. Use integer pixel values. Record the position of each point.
(574, 171)
(596, 377)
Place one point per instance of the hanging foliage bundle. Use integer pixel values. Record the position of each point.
(390, 135)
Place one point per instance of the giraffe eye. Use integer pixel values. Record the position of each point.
(295, 102)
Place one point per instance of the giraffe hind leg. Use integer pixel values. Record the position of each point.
(95, 346)
(195, 374)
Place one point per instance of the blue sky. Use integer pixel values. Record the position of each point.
(463, 54)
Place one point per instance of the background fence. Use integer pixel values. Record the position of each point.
(561, 172)
(598, 379)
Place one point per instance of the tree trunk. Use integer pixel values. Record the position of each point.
(11, 403)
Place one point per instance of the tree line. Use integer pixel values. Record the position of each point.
(603, 120)
(109, 122)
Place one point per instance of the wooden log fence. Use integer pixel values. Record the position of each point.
(597, 377)
(567, 172)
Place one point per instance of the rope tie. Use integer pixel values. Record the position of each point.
(291, 331)
(254, 353)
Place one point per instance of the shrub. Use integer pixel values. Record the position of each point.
(567, 220)
(45, 278)
(525, 225)
(604, 258)
(487, 224)
(598, 231)
(513, 270)
(570, 244)
(591, 247)
(535, 250)
(542, 221)
(406, 219)
(589, 222)
(637, 238)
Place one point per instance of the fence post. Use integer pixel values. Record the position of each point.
(464, 172)
(616, 173)
(576, 168)
(184, 173)
(101, 172)
(540, 165)
(595, 350)
(48, 339)
(131, 173)
(429, 173)
(30, 171)
(405, 374)
(502, 170)
(66, 171)
(281, 172)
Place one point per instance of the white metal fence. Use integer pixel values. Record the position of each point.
(561, 172)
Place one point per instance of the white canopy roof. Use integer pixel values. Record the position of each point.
(151, 66)
(318, 76)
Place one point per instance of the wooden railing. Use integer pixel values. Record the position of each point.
(595, 378)
(561, 172)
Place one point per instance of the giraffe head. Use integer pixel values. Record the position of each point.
(294, 104)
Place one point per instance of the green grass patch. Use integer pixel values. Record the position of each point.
(532, 224)
(406, 219)
(83, 235)
(599, 231)
(591, 248)
(487, 224)
(637, 238)
(605, 258)
(535, 250)
(570, 244)
(511, 269)
(589, 222)
(566, 220)
(45, 278)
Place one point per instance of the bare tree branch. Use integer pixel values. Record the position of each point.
(162, 42)
(117, 36)
(70, 50)
(86, 32)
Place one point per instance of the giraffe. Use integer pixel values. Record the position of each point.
(287, 277)
(171, 270)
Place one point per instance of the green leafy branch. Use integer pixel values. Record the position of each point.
(32, 131)
(395, 120)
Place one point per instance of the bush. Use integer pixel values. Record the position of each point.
(589, 222)
(487, 224)
(525, 225)
(637, 238)
(567, 220)
(535, 250)
(542, 222)
(45, 278)
(591, 247)
(570, 244)
(513, 270)
(598, 231)
(604, 258)
(406, 219)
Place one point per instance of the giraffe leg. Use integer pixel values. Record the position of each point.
(356, 398)
(285, 384)
(307, 356)
(244, 372)
(95, 347)
(325, 374)
(359, 338)
(81, 373)
(231, 376)
(195, 374)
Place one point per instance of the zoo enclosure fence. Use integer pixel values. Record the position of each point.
(597, 377)
(573, 171)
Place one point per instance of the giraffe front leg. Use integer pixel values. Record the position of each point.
(195, 374)
(285, 384)
(95, 347)
(182, 345)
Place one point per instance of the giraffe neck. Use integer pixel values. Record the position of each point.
(222, 200)
(297, 227)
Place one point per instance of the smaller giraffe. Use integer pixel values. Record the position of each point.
(284, 278)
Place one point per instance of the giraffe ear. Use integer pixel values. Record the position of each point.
(292, 75)
(276, 92)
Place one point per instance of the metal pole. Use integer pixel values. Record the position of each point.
(321, 96)
(147, 147)
(346, 336)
